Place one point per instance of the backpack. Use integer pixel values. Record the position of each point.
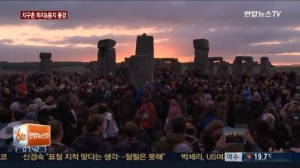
(194, 142)
(112, 129)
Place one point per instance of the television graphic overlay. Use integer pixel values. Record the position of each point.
(31, 137)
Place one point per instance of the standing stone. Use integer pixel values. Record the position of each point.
(126, 63)
(144, 45)
(222, 67)
(141, 65)
(45, 63)
(141, 69)
(237, 67)
(176, 67)
(264, 65)
(201, 51)
(106, 56)
(249, 66)
(211, 66)
(93, 66)
(212, 63)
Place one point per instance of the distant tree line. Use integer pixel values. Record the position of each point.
(35, 65)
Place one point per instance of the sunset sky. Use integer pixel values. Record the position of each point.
(174, 25)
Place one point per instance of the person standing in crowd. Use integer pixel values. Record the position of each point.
(57, 134)
(111, 129)
(209, 115)
(175, 142)
(91, 140)
(149, 117)
(131, 144)
(174, 110)
(65, 116)
(128, 108)
(262, 137)
(221, 108)
(242, 112)
(256, 106)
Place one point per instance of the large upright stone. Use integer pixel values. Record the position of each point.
(126, 63)
(144, 45)
(222, 67)
(45, 63)
(211, 64)
(176, 67)
(93, 66)
(249, 66)
(264, 65)
(106, 56)
(201, 51)
(141, 69)
(106, 43)
(44, 55)
(237, 67)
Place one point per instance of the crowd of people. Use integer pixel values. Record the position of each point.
(234, 138)
(176, 113)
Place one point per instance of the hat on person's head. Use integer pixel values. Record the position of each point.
(22, 88)
(214, 125)
(189, 129)
(15, 106)
(32, 108)
(89, 91)
(8, 131)
(189, 126)
(245, 94)
(107, 94)
(39, 102)
(31, 116)
(62, 86)
(207, 96)
(269, 118)
(256, 96)
(49, 101)
(6, 91)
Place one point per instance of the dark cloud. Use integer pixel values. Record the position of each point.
(22, 53)
(31, 53)
(121, 39)
(6, 41)
(233, 33)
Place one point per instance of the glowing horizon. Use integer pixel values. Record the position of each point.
(229, 33)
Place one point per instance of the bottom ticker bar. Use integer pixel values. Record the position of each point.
(152, 157)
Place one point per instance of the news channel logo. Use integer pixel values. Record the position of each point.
(30, 135)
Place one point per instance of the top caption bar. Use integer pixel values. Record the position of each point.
(44, 15)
